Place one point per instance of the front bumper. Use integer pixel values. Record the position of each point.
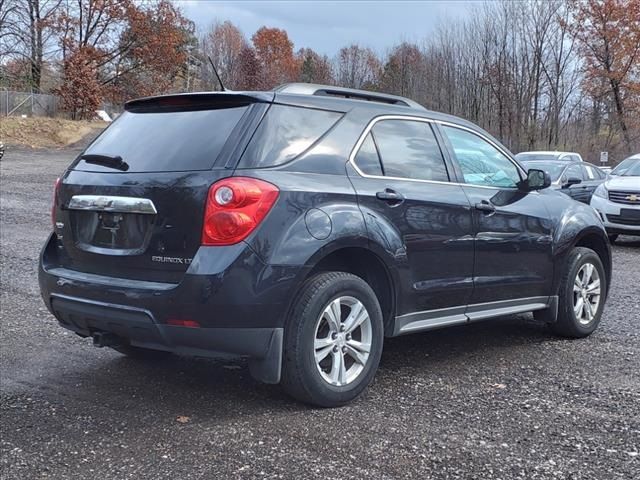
(615, 220)
(238, 302)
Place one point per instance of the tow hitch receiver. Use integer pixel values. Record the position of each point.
(105, 339)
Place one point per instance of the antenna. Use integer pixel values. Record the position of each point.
(216, 72)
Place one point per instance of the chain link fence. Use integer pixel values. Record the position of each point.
(31, 104)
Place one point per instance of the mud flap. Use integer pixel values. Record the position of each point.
(267, 369)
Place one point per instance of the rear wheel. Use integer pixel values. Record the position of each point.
(333, 340)
(582, 294)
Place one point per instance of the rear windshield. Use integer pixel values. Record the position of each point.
(167, 141)
(284, 133)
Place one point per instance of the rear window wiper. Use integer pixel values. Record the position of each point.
(106, 161)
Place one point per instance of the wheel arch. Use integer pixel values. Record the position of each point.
(592, 237)
(597, 240)
(364, 263)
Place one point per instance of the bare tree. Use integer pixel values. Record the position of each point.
(357, 67)
(26, 32)
(223, 43)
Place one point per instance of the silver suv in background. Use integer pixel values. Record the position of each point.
(617, 200)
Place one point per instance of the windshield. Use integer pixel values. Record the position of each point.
(625, 165)
(536, 156)
(633, 170)
(554, 169)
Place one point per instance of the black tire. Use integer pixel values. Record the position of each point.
(140, 353)
(567, 324)
(613, 237)
(301, 377)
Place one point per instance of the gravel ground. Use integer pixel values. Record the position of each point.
(496, 400)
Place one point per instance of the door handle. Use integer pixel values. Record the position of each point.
(390, 196)
(486, 207)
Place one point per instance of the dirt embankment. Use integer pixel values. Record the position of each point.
(39, 132)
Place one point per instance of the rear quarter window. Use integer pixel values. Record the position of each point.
(284, 133)
(166, 141)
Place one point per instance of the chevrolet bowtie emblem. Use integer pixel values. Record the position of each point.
(632, 198)
(102, 202)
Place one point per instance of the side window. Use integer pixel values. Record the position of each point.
(481, 163)
(409, 149)
(367, 158)
(574, 171)
(597, 173)
(284, 133)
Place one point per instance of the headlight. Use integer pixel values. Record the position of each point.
(601, 191)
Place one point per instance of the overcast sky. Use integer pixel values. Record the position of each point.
(326, 26)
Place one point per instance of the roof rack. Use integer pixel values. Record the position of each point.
(331, 91)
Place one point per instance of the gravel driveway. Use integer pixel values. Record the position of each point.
(496, 400)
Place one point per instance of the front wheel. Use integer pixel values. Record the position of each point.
(582, 294)
(333, 340)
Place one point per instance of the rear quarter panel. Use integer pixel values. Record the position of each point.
(313, 213)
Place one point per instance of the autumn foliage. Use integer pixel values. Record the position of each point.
(608, 32)
(275, 56)
(118, 49)
(539, 74)
(81, 92)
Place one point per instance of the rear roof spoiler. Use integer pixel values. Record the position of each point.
(197, 101)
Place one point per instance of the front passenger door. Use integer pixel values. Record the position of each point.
(512, 231)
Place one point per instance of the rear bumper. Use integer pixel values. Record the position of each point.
(137, 327)
(238, 302)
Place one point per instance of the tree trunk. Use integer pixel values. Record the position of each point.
(36, 47)
(617, 98)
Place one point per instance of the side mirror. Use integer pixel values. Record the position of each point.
(537, 179)
(572, 181)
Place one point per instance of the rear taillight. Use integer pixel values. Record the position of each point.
(54, 204)
(235, 207)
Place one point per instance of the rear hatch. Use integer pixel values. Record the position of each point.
(132, 204)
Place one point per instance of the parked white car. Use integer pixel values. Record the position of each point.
(617, 200)
(544, 156)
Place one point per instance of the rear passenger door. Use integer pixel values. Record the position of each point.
(422, 219)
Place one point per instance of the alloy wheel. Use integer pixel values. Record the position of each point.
(586, 293)
(342, 341)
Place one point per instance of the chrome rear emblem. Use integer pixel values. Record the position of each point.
(102, 202)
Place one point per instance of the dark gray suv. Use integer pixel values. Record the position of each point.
(301, 227)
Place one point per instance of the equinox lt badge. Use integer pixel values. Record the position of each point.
(183, 261)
